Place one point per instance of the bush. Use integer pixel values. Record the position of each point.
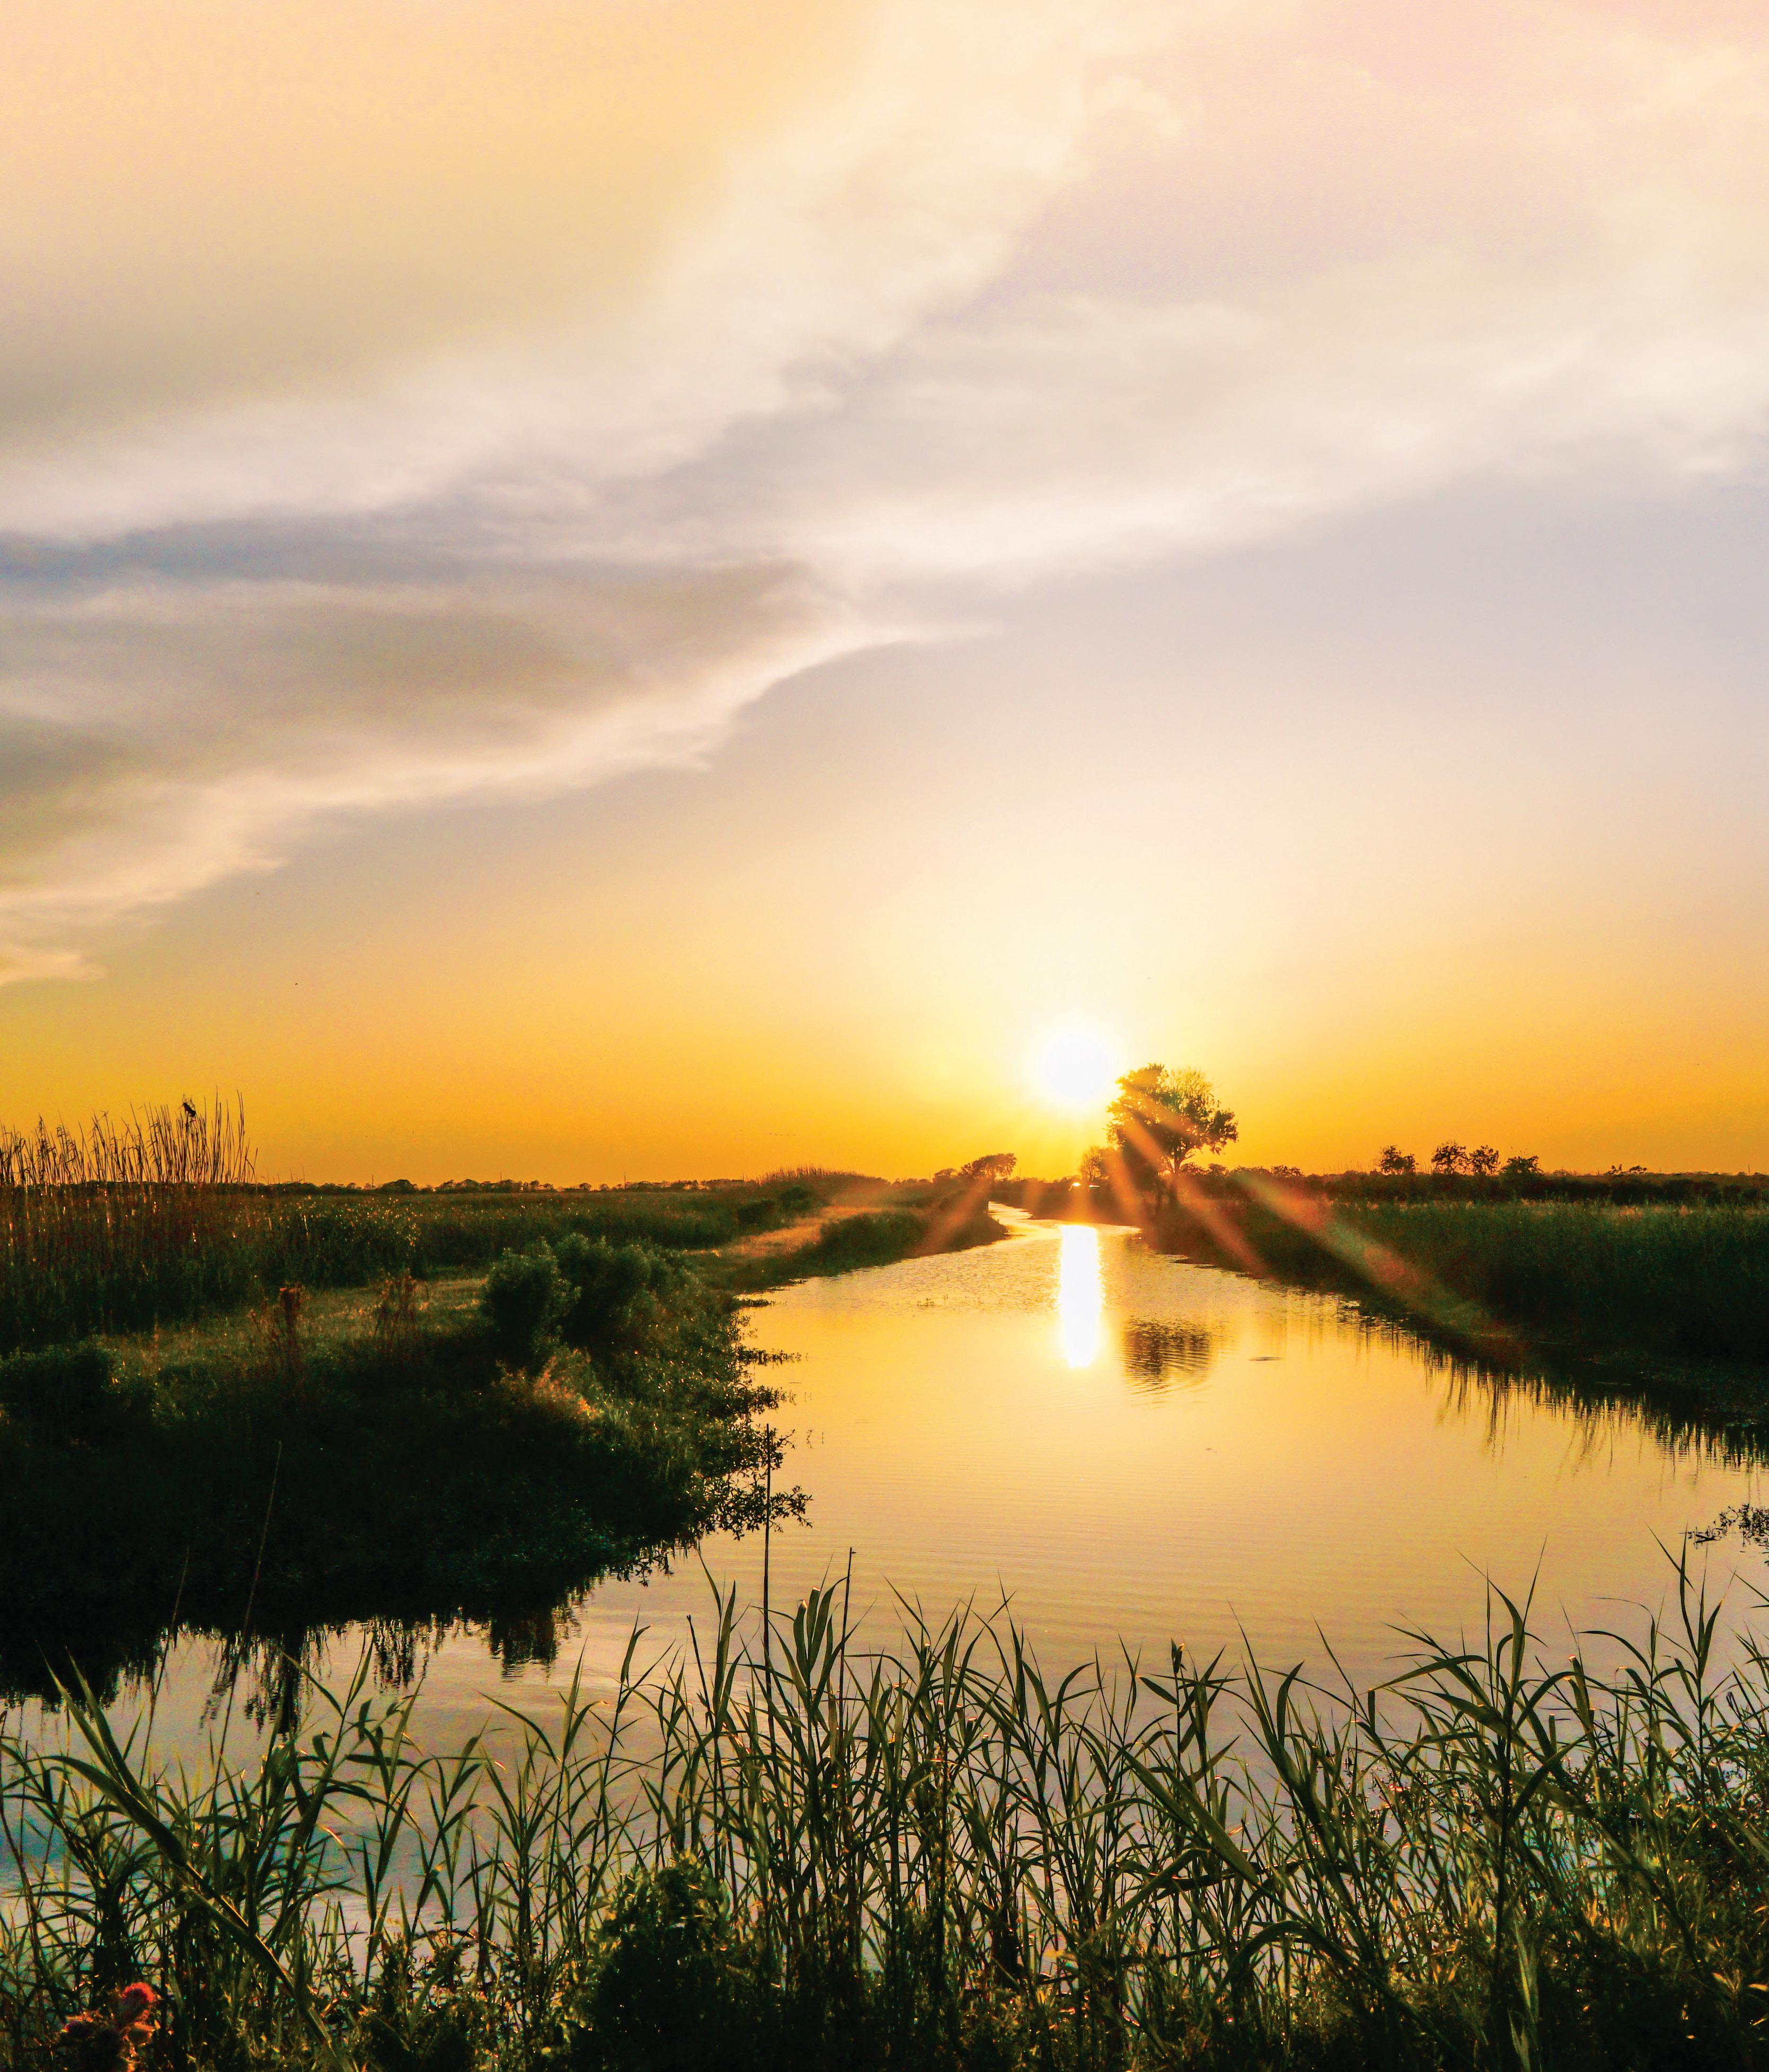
(668, 1992)
(524, 1299)
(65, 1391)
(622, 1295)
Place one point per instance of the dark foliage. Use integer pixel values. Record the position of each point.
(407, 1469)
(70, 1393)
(522, 1299)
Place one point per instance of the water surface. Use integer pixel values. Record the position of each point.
(1129, 1448)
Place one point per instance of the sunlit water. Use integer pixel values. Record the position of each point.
(1129, 1448)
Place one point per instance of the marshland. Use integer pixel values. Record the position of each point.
(810, 1621)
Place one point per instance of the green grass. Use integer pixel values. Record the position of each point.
(376, 1458)
(942, 1857)
(80, 1259)
(1676, 1283)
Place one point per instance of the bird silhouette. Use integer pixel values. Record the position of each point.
(190, 1111)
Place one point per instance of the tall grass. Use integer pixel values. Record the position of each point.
(162, 1146)
(1687, 1283)
(122, 1223)
(156, 1220)
(795, 1853)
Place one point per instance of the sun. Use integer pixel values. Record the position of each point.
(1073, 1068)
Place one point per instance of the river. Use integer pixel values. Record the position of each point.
(1127, 1448)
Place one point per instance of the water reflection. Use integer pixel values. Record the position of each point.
(1131, 1445)
(1080, 1295)
(1157, 1350)
(267, 1675)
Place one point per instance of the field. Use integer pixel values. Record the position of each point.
(159, 1222)
(110, 1259)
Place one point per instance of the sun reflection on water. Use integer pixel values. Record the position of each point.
(1080, 1295)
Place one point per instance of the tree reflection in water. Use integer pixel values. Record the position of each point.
(1156, 1351)
(262, 1675)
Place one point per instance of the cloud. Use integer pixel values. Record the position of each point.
(17, 961)
(542, 487)
(201, 730)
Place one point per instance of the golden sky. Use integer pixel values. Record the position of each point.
(618, 586)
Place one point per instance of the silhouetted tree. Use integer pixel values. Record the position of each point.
(1450, 1157)
(1394, 1161)
(1521, 1167)
(1484, 1160)
(1159, 1118)
(992, 1166)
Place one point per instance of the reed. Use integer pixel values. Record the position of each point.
(804, 1854)
(1677, 1282)
(158, 1220)
(111, 1226)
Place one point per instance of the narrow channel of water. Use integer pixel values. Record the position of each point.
(1128, 1447)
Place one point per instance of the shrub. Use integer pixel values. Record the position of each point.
(524, 1299)
(668, 1992)
(621, 1295)
(65, 1391)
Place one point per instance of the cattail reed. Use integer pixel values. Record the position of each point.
(123, 1222)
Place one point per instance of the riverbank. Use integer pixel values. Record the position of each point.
(110, 1261)
(810, 1857)
(845, 1237)
(1510, 1277)
(396, 1454)
(1511, 1280)
(379, 1453)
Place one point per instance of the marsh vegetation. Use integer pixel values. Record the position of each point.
(781, 1847)
(412, 1452)
(230, 1406)
(781, 1850)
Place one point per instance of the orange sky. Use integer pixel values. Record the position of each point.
(672, 588)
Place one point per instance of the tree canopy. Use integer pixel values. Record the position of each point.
(992, 1165)
(1159, 1119)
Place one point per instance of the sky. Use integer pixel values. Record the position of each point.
(600, 588)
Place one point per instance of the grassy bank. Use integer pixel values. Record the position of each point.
(1067, 1199)
(110, 1258)
(1687, 1283)
(410, 1454)
(906, 1229)
(940, 1858)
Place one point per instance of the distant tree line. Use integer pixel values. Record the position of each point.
(1451, 1158)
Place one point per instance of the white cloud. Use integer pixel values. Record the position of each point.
(1035, 286)
(199, 731)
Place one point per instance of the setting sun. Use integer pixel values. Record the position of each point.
(1073, 1070)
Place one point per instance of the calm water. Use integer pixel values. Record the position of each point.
(1127, 1446)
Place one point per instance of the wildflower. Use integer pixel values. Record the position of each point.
(91, 2044)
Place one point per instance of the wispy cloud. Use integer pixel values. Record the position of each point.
(168, 735)
(955, 297)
